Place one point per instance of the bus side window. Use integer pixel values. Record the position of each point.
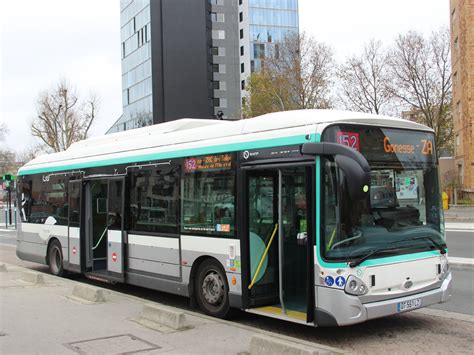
(154, 198)
(208, 204)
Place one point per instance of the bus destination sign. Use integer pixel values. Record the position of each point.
(208, 162)
(351, 139)
(384, 144)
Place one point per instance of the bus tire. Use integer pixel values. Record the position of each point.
(212, 290)
(55, 258)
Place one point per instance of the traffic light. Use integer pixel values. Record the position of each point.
(7, 177)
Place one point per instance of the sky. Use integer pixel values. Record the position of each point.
(44, 41)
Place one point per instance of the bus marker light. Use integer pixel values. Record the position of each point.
(234, 280)
(365, 188)
(114, 257)
(74, 251)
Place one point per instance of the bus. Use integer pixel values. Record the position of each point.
(319, 217)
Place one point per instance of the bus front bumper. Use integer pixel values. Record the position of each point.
(336, 308)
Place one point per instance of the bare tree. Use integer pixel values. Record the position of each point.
(421, 70)
(295, 75)
(62, 118)
(7, 157)
(363, 80)
(3, 131)
(7, 162)
(30, 152)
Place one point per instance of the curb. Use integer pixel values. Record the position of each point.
(165, 316)
(32, 277)
(88, 293)
(469, 262)
(461, 226)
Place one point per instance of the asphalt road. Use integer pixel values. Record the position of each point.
(460, 243)
(463, 292)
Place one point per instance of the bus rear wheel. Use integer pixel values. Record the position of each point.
(212, 290)
(55, 258)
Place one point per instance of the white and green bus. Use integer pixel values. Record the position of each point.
(319, 217)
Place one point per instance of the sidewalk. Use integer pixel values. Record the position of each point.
(459, 226)
(46, 314)
(459, 214)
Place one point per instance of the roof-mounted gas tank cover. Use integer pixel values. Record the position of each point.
(354, 165)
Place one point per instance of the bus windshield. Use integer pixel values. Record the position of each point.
(402, 212)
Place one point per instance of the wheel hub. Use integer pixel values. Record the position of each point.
(213, 288)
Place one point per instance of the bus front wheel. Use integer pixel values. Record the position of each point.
(55, 258)
(212, 290)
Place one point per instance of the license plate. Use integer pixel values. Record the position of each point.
(407, 305)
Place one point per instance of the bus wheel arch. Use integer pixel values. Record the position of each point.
(209, 288)
(54, 257)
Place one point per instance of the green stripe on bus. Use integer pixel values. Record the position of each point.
(381, 261)
(232, 147)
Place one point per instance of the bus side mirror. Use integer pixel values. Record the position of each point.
(358, 180)
(352, 163)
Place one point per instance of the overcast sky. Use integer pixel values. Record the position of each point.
(42, 41)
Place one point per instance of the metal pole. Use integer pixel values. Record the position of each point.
(280, 243)
(14, 215)
(9, 206)
(6, 217)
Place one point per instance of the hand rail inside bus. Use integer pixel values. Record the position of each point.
(100, 239)
(263, 256)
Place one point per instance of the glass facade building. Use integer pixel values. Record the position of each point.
(137, 102)
(263, 24)
(270, 21)
(176, 64)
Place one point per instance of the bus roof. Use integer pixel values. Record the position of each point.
(203, 132)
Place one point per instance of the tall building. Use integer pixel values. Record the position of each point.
(190, 58)
(462, 58)
(263, 24)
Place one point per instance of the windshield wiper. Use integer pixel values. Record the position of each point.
(359, 261)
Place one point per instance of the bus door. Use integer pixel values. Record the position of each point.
(74, 226)
(280, 241)
(115, 231)
(104, 232)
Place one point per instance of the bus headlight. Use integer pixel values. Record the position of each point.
(355, 286)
